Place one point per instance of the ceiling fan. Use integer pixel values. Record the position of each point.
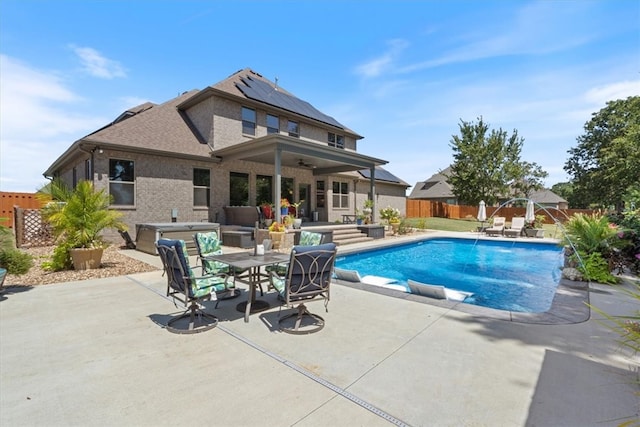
(303, 164)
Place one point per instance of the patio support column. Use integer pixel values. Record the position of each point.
(372, 187)
(277, 163)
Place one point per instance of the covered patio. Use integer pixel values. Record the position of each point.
(282, 150)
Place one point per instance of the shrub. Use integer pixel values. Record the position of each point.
(629, 225)
(61, 258)
(15, 261)
(596, 268)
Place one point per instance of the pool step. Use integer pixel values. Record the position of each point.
(347, 235)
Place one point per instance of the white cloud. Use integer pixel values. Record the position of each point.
(620, 90)
(37, 123)
(378, 66)
(97, 65)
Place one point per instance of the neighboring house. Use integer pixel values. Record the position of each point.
(436, 189)
(187, 158)
(549, 199)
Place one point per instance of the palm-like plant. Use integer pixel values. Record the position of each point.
(79, 216)
(590, 233)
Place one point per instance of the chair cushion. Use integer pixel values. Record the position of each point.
(197, 288)
(309, 238)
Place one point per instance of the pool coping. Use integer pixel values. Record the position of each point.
(570, 303)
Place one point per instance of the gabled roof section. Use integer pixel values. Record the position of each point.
(151, 127)
(159, 128)
(248, 84)
(546, 196)
(133, 111)
(436, 187)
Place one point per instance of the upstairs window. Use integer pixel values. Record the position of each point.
(248, 121)
(273, 124)
(122, 182)
(293, 128)
(336, 140)
(201, 187)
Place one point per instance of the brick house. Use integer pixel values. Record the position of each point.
(242, 141)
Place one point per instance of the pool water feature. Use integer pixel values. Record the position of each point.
(514, 276)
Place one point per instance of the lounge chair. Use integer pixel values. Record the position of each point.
(517, 225)
(308, 276)
(497, 228)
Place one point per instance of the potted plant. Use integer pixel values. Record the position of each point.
(535, 228)
(276, 233)
(267, 212)
(360, 217)
(367, 209)
(284, 206)
(297, 221)
(392, 216)
(78, 218)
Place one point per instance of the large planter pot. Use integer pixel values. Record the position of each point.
(86, 258)
(297, 223)
(395, 226)
(276, 238)
(534, 232)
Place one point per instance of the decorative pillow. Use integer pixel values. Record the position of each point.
(348, 275)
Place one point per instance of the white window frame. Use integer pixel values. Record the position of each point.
(271, 129)
(200, 187)
(340, 199)
(248, 125)
(295, 134)
(115, 181)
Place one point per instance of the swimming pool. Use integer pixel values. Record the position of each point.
(515, 276)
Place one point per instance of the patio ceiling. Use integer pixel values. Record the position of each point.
(294, 152)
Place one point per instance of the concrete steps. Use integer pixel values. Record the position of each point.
(346, 235)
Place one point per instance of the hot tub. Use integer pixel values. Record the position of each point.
(148, 234)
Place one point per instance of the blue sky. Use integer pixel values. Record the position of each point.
(401, 73)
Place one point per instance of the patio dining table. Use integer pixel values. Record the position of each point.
(253, 263)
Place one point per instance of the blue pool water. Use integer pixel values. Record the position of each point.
(515, 276)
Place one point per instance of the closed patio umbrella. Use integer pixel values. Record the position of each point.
(482, 214)
(530, 215)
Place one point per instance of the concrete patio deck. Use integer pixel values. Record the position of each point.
(96, 353)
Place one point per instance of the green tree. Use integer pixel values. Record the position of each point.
(605, 164)
(531, 179)
(487, 165)
(563, 189)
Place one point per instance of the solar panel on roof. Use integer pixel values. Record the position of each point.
(380, 174)
(263, 92)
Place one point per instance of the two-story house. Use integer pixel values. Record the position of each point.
(242, 141)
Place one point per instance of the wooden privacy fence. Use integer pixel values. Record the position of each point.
(22, 213)
(23, 200)
(427, 209)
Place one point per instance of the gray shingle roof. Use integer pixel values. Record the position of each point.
(160, 127)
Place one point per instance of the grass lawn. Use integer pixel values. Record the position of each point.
(446, 224)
